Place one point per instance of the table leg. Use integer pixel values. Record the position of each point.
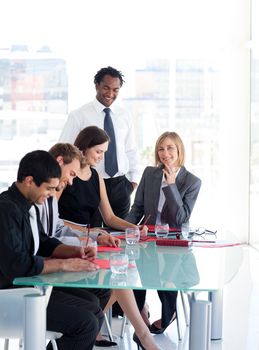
(35, 322)
(200, 325)
(216, 299)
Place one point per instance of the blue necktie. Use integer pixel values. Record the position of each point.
(110, 158)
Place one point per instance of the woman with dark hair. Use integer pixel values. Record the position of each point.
(80, 201)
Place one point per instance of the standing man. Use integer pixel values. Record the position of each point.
(25, 250)
(120, 168)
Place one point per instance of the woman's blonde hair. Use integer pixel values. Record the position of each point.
(177, 141)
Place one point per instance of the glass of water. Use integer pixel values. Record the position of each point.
(161, 230)
(132, 235)
(185, 230)
(119, 263)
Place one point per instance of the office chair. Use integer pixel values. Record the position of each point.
(12, 315)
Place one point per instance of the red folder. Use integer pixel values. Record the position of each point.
(173, 242)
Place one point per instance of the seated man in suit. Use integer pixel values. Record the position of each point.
(26, 250)
(69, 158)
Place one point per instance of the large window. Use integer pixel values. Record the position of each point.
(185, 67)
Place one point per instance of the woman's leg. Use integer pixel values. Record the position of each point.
(126, 299)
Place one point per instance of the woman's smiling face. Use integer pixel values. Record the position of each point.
(95, 154)
(168, 152)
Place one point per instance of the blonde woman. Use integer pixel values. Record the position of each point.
(167, 192)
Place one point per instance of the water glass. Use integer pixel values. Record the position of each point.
(161, 230)
(119, 280)
(185, 230)
(133, 251)
(132, 235)
(119, 263)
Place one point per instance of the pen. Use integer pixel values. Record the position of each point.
(195, 241)
(146, 220)
(87, 234)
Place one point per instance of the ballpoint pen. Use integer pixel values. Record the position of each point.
(146, 220)
(143, 237)
(87, 227)
(200, 241)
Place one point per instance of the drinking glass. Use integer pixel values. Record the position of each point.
(119, 263)
(118, 280)
(185, 230)
(161, 230)
(133, 251)
(132, 235)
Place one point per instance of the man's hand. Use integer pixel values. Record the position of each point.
(88, 253)
(77, 264)
(108, 240)
(98, 230)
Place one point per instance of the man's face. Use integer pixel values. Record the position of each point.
(38, 194)
(68, 173)
(108, 90)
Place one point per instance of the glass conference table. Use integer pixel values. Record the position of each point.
(191, 269)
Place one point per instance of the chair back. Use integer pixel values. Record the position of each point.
(12, 311)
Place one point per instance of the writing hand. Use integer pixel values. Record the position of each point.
(88, 253)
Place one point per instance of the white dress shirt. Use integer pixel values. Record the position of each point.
(59, 229)
(34, 228)
(93, 114)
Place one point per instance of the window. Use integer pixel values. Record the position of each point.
(185, 69)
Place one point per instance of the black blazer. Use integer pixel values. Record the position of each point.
(180, 197)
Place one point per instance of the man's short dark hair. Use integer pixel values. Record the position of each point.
(40, 165)
(108, 71)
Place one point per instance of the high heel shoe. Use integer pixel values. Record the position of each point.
(155, 330)
(138, 342)
(105, 343)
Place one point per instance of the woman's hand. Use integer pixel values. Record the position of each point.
(170, 174)
(143, 229)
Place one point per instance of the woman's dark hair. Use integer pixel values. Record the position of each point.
(89, 137)
(108, 71)
(40, 165)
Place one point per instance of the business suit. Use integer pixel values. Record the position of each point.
(180, 198)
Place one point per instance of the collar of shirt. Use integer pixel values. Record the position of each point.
(20, 199)
(100, 107)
